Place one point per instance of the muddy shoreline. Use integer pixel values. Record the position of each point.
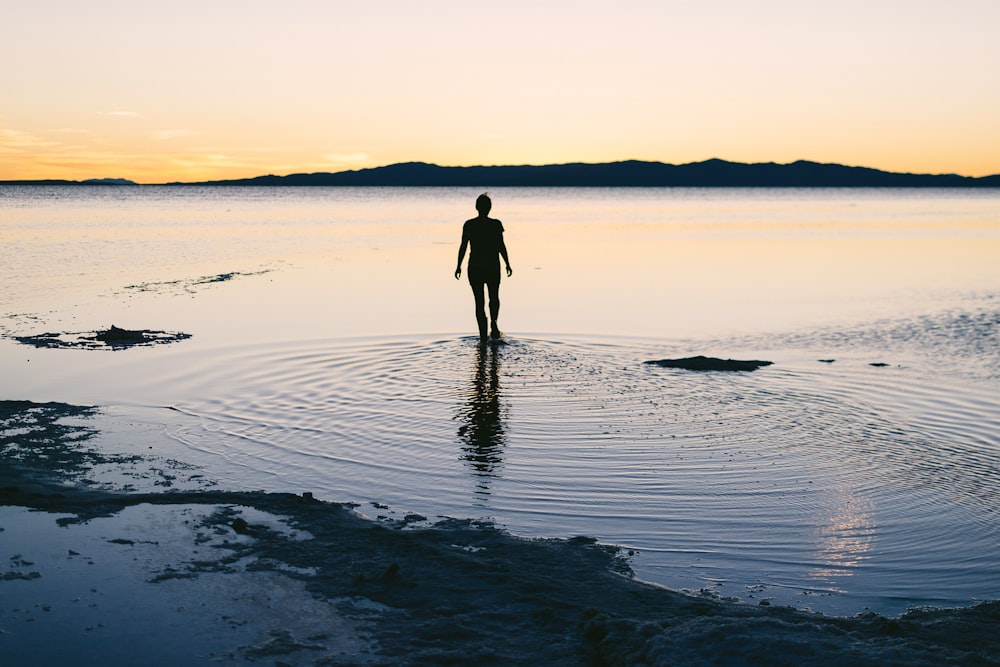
(419, 592)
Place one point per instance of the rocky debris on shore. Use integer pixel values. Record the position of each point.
(702, 363)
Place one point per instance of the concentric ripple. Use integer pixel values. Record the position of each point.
(830, 486)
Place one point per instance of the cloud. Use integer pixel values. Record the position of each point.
(165, 135)
(346, 158)
(15, 141)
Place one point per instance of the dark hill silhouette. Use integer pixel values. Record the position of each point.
(60, 181)
(630, 173)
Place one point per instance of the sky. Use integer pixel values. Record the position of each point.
(213, 89)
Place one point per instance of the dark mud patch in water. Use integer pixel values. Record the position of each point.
(701, 363)
(52, 444)
(38, 436)
(462, 591)
(114, 338)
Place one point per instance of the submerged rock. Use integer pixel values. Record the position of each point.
(702, 363)
(115, 335)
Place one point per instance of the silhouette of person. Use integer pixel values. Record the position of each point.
(485, 235)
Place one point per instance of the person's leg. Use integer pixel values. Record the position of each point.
(494, 290)
(477, 292)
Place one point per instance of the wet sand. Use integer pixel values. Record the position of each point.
(205, 576)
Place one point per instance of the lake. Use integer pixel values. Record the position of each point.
(332, 351)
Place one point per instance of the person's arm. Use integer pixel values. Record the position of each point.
(461, 255)
(503, 253)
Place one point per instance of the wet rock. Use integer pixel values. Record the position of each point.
(240, 526)
(123, 336)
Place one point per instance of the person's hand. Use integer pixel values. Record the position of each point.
(458, 273)
(510, 271)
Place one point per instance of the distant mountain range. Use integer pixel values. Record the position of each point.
(89, 181)
(630, 173)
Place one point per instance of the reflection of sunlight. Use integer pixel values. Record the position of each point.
(482, 416)
(845, 534)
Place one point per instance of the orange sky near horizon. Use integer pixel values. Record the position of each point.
(187, 91)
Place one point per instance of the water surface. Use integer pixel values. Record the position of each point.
(333, 356)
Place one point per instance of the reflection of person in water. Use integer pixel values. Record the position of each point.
(482, 416)
(485, 235)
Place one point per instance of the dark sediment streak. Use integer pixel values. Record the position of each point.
(192, 285)
(466, 592)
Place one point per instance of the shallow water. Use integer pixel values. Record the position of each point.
(316, 366)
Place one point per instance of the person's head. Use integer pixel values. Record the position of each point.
(483, 204)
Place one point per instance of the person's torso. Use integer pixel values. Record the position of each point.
(484, 236)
